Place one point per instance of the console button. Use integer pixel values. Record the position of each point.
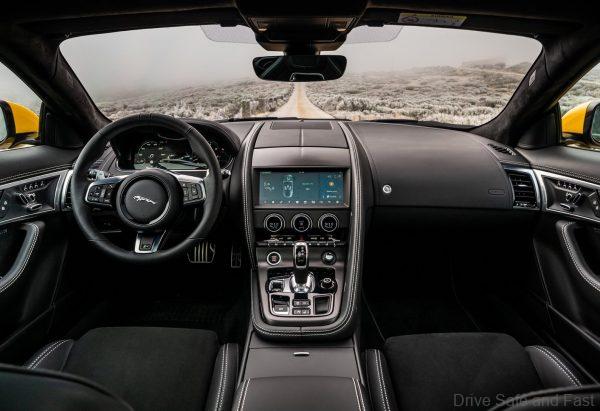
(301, 311)
(274, 223)
(328, 257)
(301, 303)
(301, 223)
(3, 204)
(594, 200)
(327, 283)
(276, 286)
(328, 223)
(280, 308)
(273, 258)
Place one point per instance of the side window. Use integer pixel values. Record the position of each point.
(19, 112)
(580, 111)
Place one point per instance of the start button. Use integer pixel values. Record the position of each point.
(273, 258)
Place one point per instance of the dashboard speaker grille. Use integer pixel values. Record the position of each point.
(502, 149)
(303, 124)
(523, 189)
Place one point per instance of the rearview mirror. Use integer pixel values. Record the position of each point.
(583, 121)
(299, 68)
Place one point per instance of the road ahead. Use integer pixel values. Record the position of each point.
(300, 106)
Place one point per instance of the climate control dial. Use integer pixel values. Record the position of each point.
(274, 223)
(301, 223)
(329, 223)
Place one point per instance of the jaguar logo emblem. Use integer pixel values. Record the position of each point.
(142, 198)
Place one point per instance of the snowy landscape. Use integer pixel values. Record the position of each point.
(220, 101)
(586, 89)
(470, 94)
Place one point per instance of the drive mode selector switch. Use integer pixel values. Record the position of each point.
(328, 257)
(329, 223)
(274, 223)
(301, 222)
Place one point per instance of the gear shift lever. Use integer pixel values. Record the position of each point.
(302, 281)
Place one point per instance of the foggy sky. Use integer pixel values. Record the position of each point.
(13, 89)
(122, 64)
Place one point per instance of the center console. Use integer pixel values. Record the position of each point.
(304, 219)
(301, 187)
(301, 226)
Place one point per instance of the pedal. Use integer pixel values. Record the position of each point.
(236, 256)
(203, 253)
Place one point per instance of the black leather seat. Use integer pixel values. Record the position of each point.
(137, 368)
(468, 371)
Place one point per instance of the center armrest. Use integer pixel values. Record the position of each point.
(301, 394)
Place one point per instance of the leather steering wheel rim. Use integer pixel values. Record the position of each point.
(95, 148)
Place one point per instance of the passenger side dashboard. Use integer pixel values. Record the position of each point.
(416, 166)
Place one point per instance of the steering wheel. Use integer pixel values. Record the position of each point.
(149, 200)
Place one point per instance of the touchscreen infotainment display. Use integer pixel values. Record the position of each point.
(301, 188)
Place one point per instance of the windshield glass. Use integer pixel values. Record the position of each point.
(393, 72)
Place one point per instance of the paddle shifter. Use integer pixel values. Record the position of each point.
(302, 281)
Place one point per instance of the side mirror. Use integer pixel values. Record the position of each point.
(299, 68)
(17, 124)
(583, 122)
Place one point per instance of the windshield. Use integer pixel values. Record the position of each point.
(415, 73)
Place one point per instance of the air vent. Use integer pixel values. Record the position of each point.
(523, 189)
(502, 149)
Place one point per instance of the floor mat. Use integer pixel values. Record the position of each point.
(417, 315)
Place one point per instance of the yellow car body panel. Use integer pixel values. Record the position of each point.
(26, 121)
(573, 120)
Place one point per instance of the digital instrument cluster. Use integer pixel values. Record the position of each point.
(175, 155)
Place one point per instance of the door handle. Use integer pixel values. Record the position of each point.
(575, 257)
(33, 232)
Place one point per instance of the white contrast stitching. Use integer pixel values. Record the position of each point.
(560, 365)
(40, 358)
(223, 369)
(32, 363)
(245, 164)
(359, 398)
(386, 402)
(243, 401)
(33, 173)
(568, 173)
(15, 277)
(590, 280)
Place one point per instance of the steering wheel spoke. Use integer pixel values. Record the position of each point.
(148, 242)
(101, 192)
(194, 190)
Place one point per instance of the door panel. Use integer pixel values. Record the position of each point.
(29, 235)
(567, 243)
(33, 243)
